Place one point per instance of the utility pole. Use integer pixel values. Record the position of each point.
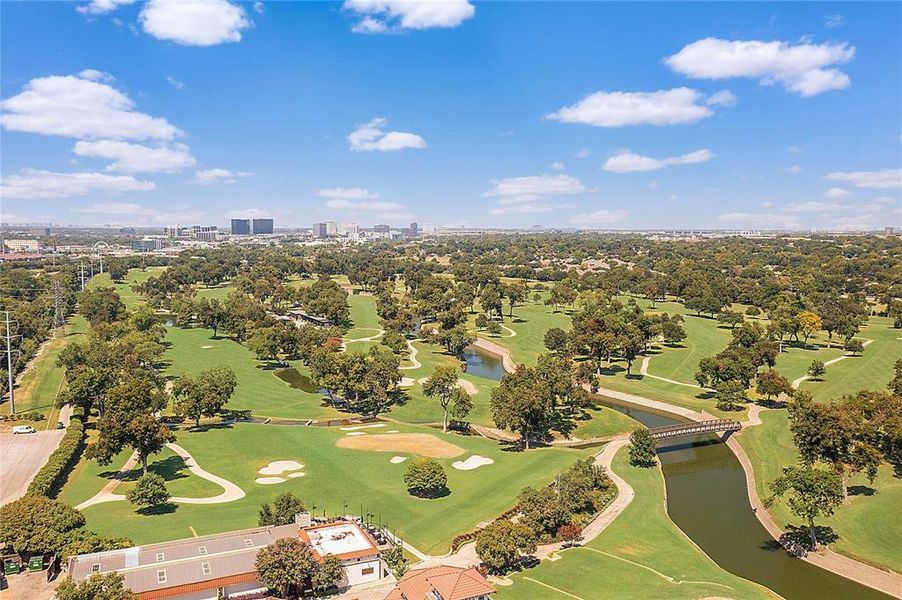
(9, 364)
(59, 319)
(81, 268)
(101, 264)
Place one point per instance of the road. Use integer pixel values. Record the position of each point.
(21, 456)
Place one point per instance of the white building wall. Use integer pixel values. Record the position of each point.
(362, 571)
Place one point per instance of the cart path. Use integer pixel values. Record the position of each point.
(230, 493)
(798, 381)
(414, 363)
(643, 370)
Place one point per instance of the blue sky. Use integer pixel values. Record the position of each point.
(507, 114)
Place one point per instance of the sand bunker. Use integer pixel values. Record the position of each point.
(297, 474)
(356, 433)
(423, 444)
(356, 427)
(474, 462)
(205, 347)
(407, 382)
(268, 480)
(397, 459)
(392, 431)
(277, 467)
(465, 385)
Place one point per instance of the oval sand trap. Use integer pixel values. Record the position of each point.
(205, 347)
(268, 480)
(422, 444)
(298, 474)
(474, 462)
(356, 433)
(277, 467)
(397, 459)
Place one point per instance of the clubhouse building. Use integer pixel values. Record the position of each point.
(442, 583)
(199, 568)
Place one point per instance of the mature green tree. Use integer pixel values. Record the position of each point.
(456, 339)
(522, 404)
(394, 559)
(816, 370)
(265, 343)
(771, 384)
(37, 525)
(542, 510)
(500, 544)
(454, 400)
(730, 317)
(149, 491)
(101, 305)
(515, 293)
(327, 573)
(425, 478)
(556, 340)
(81, 541)
(287, 566)
(642, 448)
(101, 586)
(282, 511)
(729, 395)
(672, 329)
(210, 314)
(895, 384)
(204, 395)
(812, 493)
(491, 299)
(854, 346)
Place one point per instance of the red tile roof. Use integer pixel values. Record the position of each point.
(452, 583)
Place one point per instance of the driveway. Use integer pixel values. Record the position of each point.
(21, 456)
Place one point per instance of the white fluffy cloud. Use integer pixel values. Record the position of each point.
(524, 195)
(722, 98)
(805, 69)
(35, 184)
(81, 107)
(616, 109)
(135, 158)
(600, 217)
(354, 193)
(836, 193)
(629, 162)
(536, 185)
(371, 137)
(885, 179)
(793, 169)
(379, 16)
(342, 204)
(194, 22)
(215, 176)
(99, 7)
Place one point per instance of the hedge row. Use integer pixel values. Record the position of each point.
(463, 538)
(52, 475)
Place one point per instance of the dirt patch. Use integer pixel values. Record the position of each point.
(422, 444)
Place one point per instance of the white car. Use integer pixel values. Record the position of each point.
(23, 429)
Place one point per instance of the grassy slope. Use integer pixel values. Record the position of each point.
(38, 388)
(869, 527)
(193, 350)
(642, 546)
(337, 480)
(124, 289)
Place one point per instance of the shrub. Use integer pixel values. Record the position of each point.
(50, 478)
(395, 341)
(150, 491)
(426, 478)
(569, 532)
(642, 448)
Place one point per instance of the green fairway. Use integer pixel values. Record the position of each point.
(869, 525)
(337, 481)
(641, 554)
(870, 371)
(193, 350)
(37, 389)
(124, 288)
(530, 322)
(218, 292)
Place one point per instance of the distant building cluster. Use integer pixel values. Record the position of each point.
(252, 227)
(201, 233)
(353, 232)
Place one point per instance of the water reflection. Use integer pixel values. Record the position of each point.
(483, 364)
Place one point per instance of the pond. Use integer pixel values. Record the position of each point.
(707, 499)
(483, 364)
(297, 380)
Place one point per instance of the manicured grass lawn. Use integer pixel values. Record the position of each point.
(531, 321)
(124, 289)
(193, 350)
(339, 481)
(869, 526)
(218, 292)
(38, 388)
(871, 371)
(633, 557)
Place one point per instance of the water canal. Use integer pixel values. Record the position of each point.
(707, 499)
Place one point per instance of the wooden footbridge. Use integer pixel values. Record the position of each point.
(694, 428)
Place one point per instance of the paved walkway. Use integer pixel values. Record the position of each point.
(230, 493)
(498, 350)
(643, 370)
(414, 363)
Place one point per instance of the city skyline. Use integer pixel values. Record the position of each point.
(609, 116)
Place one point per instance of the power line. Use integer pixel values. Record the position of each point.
(9, 363)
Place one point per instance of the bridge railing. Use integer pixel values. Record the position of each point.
(695, 427)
